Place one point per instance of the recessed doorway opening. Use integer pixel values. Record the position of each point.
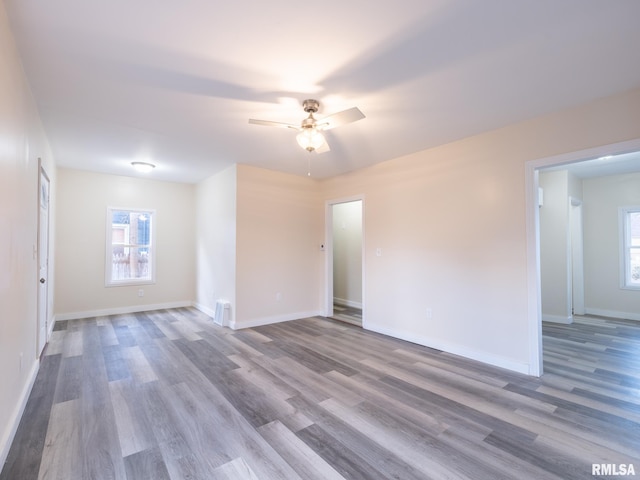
(345, 261)
(566, 255)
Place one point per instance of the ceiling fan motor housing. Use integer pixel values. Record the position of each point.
(311, 105)
(308, 122)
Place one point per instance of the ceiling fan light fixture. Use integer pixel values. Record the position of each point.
(310, 135)
(310, 139)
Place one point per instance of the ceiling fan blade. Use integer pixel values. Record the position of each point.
(341, 118)
(323, 148)
(269, 123)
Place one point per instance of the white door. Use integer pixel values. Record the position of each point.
(43, 261)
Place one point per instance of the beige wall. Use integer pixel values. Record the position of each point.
(450, 222)
(22, 141)
(602, 198)
(216, 241)
(451, 225)
(279, 231)
(347, 253)
(81, 235)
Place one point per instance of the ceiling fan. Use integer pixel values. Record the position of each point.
(310, 137)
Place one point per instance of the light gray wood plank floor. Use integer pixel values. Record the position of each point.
(170, 395)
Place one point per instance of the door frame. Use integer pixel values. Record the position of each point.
(44, 197)
(532, 221)
(328, 301)
(576, 257)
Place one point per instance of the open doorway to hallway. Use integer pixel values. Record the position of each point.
(575, 204)
(346, 261)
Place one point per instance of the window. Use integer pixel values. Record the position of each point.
(130, 255)
(630, 233)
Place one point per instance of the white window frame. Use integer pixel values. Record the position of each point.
(108, 276)
(625, 247)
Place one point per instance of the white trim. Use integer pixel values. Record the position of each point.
(151, 280)
(624, 232)
(534, 299)
(43, 253)
(204, 309)
(532, 232)
(287, 317)
(577, 256)
(587, 154)
(557, 319)
(630, 287)
(472, 354)
(122, 310)
(14, 420)
(347, 303)
(613, 314)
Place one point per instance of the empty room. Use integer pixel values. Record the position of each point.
(429, 268)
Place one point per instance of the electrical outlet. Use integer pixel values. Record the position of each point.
(278, 296)
(429, 314)
(21, 360)
(141, 292)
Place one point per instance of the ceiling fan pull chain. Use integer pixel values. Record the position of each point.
(309, 165)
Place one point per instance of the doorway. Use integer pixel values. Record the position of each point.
(345, 261)
(43, 258)
(533, 201)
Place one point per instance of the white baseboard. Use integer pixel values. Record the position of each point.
(612, 313)
(557, 319)
(121, 310)
(204, 309)
(257, 322)
(460, 350)
(14, 421)
(347, 303)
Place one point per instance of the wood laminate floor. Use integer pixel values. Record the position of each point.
(346, 314)
(170, 395)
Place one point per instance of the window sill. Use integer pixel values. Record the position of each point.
(130, 283)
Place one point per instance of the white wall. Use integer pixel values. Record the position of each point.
(216, 241)
(602, 198)
(22, 141)
(560, 187)
(81, 209)
(451, 225)
(279, 232)
(347, 253)
(555, 247)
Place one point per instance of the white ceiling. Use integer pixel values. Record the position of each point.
(175, 83)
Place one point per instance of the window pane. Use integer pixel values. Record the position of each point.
(130, 253)
(634, 266)
(131, 228)
(131, 263)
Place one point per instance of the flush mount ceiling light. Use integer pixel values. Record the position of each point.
(310, 137)
(143, 167)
